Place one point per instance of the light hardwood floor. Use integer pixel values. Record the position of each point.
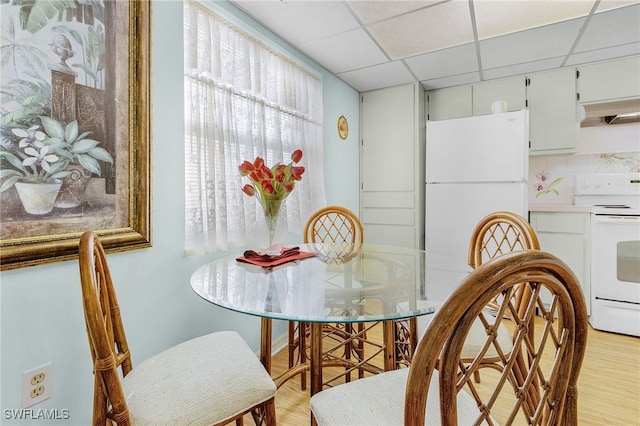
(609, 384)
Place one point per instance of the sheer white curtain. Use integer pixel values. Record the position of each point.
(243, 99)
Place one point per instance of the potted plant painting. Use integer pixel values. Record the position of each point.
(42, 162)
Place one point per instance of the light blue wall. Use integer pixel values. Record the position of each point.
(40, 310)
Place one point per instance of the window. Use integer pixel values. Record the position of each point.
(243, 99)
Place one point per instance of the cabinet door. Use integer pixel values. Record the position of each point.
(388, 117)
(553, 123)
(392, 166)
(512, 90)
(608, 81)
(452, 102)
(567, 235)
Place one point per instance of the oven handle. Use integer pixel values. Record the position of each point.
(616, 219)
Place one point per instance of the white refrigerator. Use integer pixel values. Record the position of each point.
(474, 166)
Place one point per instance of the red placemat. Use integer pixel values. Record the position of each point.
(287, 254)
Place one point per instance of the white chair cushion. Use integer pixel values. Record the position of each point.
(475, 339)
(202, 381)
(379, 400)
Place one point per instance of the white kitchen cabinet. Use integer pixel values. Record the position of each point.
(567, 235)
(512, 90)
(392, 165)
(611, 80)
(553, 121)
(450, 102)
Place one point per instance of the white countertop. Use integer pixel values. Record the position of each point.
(567, 208)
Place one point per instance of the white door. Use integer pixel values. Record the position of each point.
(388, 135)
(392, 166)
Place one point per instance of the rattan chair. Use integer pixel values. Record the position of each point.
(332, 224)
(214, 379)
(537, 384)
(496, 234)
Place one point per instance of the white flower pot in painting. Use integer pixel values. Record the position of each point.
(38, 198)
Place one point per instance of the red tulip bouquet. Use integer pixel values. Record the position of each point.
(271, 185)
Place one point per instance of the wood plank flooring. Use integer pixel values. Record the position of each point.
(609, 385)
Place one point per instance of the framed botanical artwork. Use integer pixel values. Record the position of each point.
(75, 128)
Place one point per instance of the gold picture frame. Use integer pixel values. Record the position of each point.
(122, 213)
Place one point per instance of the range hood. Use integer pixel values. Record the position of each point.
(609, 113)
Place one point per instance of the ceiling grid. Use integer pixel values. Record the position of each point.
(382, 43)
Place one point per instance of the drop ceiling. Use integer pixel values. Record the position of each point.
(376, 44)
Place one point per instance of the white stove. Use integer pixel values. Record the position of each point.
(614, 192)
(620, 210)
(615, 249)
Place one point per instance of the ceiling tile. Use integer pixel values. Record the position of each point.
(605, 5)
(495, 18)
(604, 54)
(452, 61)
(620, 26)
(521, 69)
(434, 28)
(450, 81)
(374, 11)
(531, 45)
(300, 21)
(384, 75)
(345, 52)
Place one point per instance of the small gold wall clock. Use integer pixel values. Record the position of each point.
(343, 127)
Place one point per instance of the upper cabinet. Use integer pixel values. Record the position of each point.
(476, 99)
(608, 81)
(512, 90)
(553, 123)
(551, 97)
(451, 102)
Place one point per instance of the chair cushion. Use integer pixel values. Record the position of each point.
(475, 339)
(202, 381)
(379, 400)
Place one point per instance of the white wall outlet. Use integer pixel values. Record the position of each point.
(37, 385)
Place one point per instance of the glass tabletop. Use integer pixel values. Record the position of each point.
(339, 284)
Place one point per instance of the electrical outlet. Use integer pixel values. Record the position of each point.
(37, 385)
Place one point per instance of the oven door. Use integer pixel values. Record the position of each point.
(615, 257)
(615, 273)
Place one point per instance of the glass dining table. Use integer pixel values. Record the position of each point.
(340, 284)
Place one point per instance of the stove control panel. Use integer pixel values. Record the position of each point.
(608, 184)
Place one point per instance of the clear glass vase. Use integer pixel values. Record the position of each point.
(271, 210)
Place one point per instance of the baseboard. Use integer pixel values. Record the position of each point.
(279, 343)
